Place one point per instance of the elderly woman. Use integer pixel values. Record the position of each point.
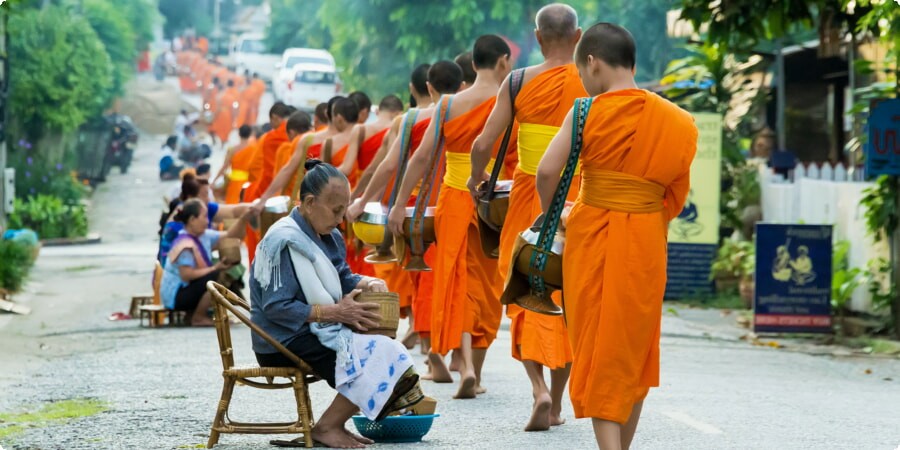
(302, 293)
(190, 266)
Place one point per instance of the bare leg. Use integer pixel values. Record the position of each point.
(454, 361)
(329, 430)
(558, 380)
(200, 317)
(630, 426)
(478, 355)
(608, 434)
(426, 345)
(540, 412)
(409, 341)
(468, 378)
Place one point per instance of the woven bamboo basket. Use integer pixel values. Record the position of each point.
(230, 250)
(389, 309)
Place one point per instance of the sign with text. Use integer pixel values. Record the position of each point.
(694, 234)
(793, 279)
(883, 148)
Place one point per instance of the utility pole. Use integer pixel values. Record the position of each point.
(4, 106)
(780, 99)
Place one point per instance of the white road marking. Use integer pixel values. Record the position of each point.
(703, 427)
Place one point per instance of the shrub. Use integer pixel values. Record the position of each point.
(49, 217)
(15, 263)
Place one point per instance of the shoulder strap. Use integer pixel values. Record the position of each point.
(326, 151)
(515, 85)
(362, 139)
(417, 224)
(301, 169)
(409, 119)
(551, 220)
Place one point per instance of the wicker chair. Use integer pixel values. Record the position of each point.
(225, 302)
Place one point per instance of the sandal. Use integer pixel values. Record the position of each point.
(406, 393)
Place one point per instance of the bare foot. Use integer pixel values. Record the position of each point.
(454, 361)
(335, 438)
(540, 414)
(409, 341)
(466, 386)
(479, 389)
(439, 372)
(556, 419)
(358, 438)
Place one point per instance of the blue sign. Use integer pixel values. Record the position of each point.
(883, 150)
(688, 270)
(793, 278)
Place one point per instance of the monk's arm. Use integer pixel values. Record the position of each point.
(382, 172)
(352, 151)
(415, 170)
(495, 125)
(225, 165)
(284, 175)
(553, 163)
(367, 174)
(676, 194)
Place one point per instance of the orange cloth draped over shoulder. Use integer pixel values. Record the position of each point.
(223, 123)
(283, 155)
(258, 89)
(467, 285)
(369, 148)
(269, 151)
(423, 282)
(337, 158)
(541, 107)
(246, 98)
(355, 256)
(203, 45)
(636, 161)
(240, 173)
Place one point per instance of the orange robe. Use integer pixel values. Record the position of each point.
(615, 276)
(240, 173)
(243, 116)
(467, 285)
(223, 123)
(355, 257)
(284, 154)
(423, 282)
(369, 148)
(203, 45)
(544, 101)
(269, 151)
(259, 88)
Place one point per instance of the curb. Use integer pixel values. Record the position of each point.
(91, 238)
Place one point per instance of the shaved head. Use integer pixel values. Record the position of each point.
(609, 43)
(464, 61)
(391, 103)
(557, 22)
(445, 77)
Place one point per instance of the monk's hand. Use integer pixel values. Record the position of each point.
(376, 285)
(395, 220)
(475, 182)
(357, 315)
(354, 210)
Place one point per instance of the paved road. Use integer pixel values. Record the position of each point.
(162, 385)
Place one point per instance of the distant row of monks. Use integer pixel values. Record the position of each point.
(633, 177)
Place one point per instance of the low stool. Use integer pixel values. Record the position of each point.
(137, 301)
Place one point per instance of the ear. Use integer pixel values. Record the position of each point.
(537, 35)
(432, 92)
(577, 36)
(412, 90)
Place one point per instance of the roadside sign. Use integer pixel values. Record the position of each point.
(883, 148)
(793, 279)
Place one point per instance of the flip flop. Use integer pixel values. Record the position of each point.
(295, 443)
(119, 316)
(401, 389)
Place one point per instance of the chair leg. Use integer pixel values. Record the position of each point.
(304, 409)
(221, 411)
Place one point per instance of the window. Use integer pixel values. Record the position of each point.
(294, 60)
(314, 77)
(253, 47)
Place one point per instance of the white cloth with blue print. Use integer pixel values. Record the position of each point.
(367, 366)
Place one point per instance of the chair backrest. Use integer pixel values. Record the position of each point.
(224, 302)
(157, 280)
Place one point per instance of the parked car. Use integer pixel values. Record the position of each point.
(307, 56)
(249, 53)
(311, 84)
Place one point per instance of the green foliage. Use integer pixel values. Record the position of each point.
(142, 15)
(844, 279)
(378, 42)
(58, 67)
(16, 259)
(883, 290)
(34, 176)
(879, 202)
(742, 24)
(734, 259)
(49, 217)
(743, 192)
(115, 32)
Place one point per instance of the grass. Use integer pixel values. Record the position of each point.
(50, 414)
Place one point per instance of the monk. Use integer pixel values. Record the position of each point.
(363, 103)
(360, 155)
(298, 124)
(223, 123)
(320, 117)
(464, 61)
(425, 87)
(545, 99)
(263, 163)
(237, 160)
(467, 285)
(246, 97)
(257, 88)
(636, 158)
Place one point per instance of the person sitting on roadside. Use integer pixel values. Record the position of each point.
(168, 166)
(302, 294)
(190, 266)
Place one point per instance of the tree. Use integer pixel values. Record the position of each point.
(60, 66)
(115, 32)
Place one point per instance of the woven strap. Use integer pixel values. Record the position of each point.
(326, 150)
(544, 245)
(409, 119)
(515, 85)
(432, 172)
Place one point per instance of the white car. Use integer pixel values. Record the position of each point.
(290, 58)
(249, 54)
(310, 84)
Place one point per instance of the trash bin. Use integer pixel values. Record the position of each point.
(91, 149)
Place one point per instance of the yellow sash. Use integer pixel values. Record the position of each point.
(239, 175)
(459, 168)
(533, 142)
(620, 192)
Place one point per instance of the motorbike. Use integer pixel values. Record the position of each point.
(121, 144)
